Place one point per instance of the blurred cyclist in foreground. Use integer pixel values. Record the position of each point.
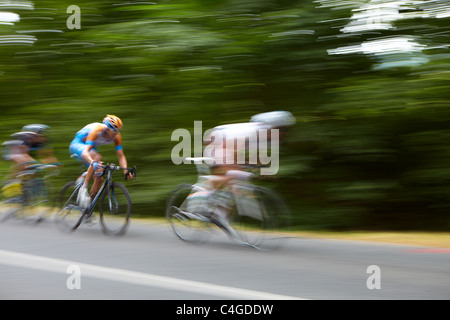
(23, 150)
(28, 144)
(256, 134)
(84, 148)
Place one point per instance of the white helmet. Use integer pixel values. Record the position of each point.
(275, 118)
(36, 128)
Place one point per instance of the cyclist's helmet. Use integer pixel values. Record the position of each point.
(113, 122)
(275, 119)
(24, 135)
(12, 143)
(36, 128)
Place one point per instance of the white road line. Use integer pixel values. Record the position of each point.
(145, 279)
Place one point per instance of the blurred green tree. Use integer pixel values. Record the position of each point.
(370, 146)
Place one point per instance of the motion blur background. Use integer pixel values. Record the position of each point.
(368, 81)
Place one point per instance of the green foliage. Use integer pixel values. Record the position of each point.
(370, 148)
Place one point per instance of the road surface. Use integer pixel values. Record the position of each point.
(149, 262)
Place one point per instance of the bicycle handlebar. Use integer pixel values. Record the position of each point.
(32, 169)
(113, 167)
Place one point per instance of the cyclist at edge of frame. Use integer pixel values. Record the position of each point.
(280, 120)
(26, 145)
(84, 148)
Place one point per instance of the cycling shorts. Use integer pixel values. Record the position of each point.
(76, 149)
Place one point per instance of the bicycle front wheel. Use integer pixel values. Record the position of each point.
(115, 209)
(183, 223)
(258, 216)
(70, 215)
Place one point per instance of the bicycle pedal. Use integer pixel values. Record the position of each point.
(72, 206)
(89, 220)
(218, 223)
(39, 219)
(179, 216)
(194, 216)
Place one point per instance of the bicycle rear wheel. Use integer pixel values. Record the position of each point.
(11, 200)
(258, 216)
(70, 215)
(115, 210)
(182, 222)
(37, 201)
(10, 209)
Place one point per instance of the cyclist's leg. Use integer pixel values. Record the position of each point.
(220, 184)
(96, 186)
(95, 174)
(223, 199)
(90, 172)
(76, 150)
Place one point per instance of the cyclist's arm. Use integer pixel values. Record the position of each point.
(121, 155)
(90, 143)
(122, 160)
(21, 157)
(86, 154)
(46, 156)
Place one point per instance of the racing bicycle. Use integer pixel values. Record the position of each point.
(29, 196)
(114, 204)
(257, 215)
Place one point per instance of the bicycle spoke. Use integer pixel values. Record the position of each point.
(257, 217)
(188, 226)
(37, 203)
(9, 209)
(70, 215)
(115, 209)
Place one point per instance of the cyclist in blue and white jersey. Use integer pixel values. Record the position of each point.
(84, 148)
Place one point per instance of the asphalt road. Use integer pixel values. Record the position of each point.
(149, 262)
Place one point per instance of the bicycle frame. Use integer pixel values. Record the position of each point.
(35, 185)
(114, 212)
(238, 183)
(107, 182)
(253, 211)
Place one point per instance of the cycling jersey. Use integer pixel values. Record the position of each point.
(235, 143)
(93, 134)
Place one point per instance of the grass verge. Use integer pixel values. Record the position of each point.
(427, 239)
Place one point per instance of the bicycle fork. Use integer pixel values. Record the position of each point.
(112, 201)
